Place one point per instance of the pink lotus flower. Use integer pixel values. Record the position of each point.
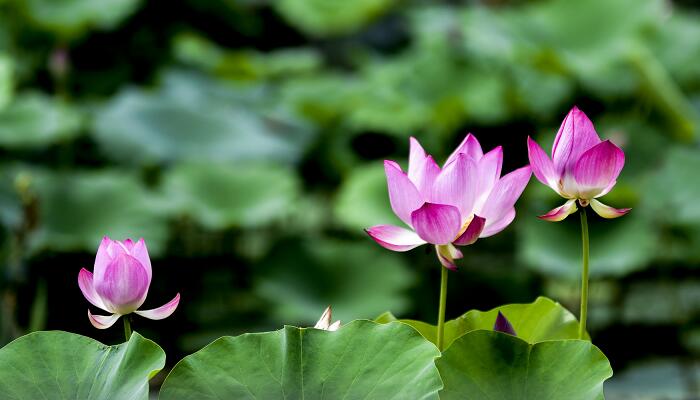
(465, 200)
(582, 167)
(121, 281)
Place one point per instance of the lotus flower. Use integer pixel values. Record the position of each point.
(503, 325)
(324, 322)
(120, 283)
(456, 205)
(582, 167)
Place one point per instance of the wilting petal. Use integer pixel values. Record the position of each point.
(606, 211)
(598, 168)
(575, 136)
(489, 170)
(140, 252)
(469, 146)
(494, 226)
(471, 234)
(403, 195)
(437, 223)
(505, 193)
(85, 281)
(325, 321)
(425, 176)
(102, 321)
(124, 286)
(561, 212)
(161, 312)
(447, 254)
(394, 237)
(542, 166)
(503, 325)
(456, 183)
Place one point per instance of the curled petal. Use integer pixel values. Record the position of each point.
(503, 325)
(542, 166)
(124, 286)
(561, 212)
(447, 254)
(456, 184)
(469, 146)
(85, 282)
(598, 168)
(403, 195)
(102, 321)
(505, 193)
(437, 223)
(606, 211)
(495, 226)
(394, 237)
(163, 311)
(575, 136)
(471, 234)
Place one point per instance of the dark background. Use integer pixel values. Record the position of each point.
(244, 141)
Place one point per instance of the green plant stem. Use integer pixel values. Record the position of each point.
(127, 327)
(584, 275)
(441, 310)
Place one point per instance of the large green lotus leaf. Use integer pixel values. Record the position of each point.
(300, 279)
(221, 196)
(617, 247)
(35, 120)
(192, 118)
(363, 199)
(494, 366)
(362, 360)
(62, 365)
(330, 17)
(72, 17)
(541, 320)
(79, 208)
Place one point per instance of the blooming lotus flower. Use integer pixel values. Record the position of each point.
(582, 167)
(324, 322)
(120, 283)
(465, 200)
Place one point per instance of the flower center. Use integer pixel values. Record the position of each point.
(465, 226)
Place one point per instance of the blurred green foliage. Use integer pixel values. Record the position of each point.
(244, 139)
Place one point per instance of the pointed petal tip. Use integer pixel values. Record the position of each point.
(561, 212)
(394, 238)
(606, 211)
(503, 325)
(161, 312)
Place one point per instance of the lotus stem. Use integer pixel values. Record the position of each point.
(127, 327)
(441, 310)
(584, 275)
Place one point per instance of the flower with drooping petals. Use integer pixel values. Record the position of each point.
(324, 323)
(122, 276)
(582, 167)
(454, 205)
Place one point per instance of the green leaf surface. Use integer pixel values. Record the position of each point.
(494, 366)
(362, 360)
(6, 80)
(221, 196)
(35, 120)
(62, 365)
(330, 17)
(72, 17)
(541, 320)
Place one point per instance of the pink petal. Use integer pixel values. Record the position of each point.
(598, 168)
(103, 257)
(489, 170)
(394, 238)
(469, 146)
(494, 226)
(403, 195)
(437, 223)
(425, 176)
(415, 157)
(102, 321)
(471, 234)
(447, 254)
(163, 311)
(606, 211)
(124, 286)
(542, 165)
(456, 184)
(561, 212)
(140, 252)
(85, 282)
(505, 193)
(575, 136)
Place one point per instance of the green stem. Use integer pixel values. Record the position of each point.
(584, 275)
(441, 310)
(127, 327)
